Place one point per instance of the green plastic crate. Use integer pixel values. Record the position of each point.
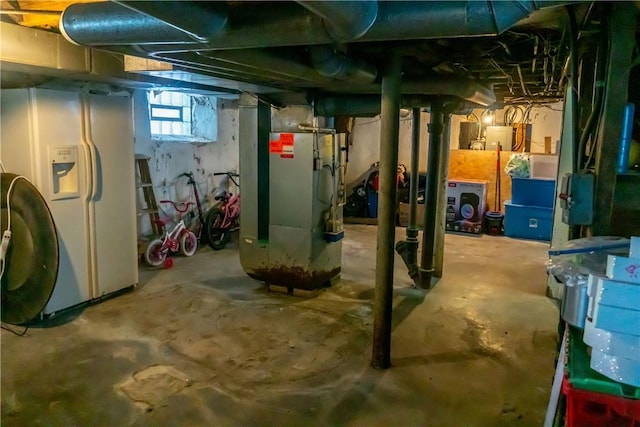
(582, 377)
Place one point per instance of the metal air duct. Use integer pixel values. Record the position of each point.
(279, 24)
(344, 20)
(108, 24)
(415, 94)
(329, 63)
(200, 20)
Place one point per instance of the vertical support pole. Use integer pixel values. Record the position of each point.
(431, 195)
(443, 174)
(264, 128)
(390, 107)
(412, 229)
(621, 29)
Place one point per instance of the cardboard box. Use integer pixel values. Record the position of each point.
(466, 205)
(403, 214)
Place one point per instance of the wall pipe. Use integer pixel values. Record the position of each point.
(389, 135)
(408, 249)
(443, 174)
(412, 230)
(436, 129)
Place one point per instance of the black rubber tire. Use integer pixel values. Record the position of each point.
(216, 236)
(32, 258)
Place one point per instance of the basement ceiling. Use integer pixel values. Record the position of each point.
(515, 51)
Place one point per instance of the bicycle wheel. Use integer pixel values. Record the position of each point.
(188, 243)
(154, 255)
(216, 235)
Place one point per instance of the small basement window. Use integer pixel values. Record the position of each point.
(176, 116)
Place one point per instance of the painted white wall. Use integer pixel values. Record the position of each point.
(365, 144)
(167, 160)
(546, 120)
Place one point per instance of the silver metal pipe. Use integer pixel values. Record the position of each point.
(279, 24)
(390, 123)
(316, 129)
(329, 63)
(408, 249)
(111, 24)
(200, 20)
(344, 20)
(412, 229)
(431, 195)
(441, 210)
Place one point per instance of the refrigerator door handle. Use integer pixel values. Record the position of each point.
(92, 173)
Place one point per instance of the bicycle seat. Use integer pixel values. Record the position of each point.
(162, 221)
(220, 196)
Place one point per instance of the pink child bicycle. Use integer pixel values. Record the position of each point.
(179, 239)
(225, 218)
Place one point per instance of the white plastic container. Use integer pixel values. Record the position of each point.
(544, 166)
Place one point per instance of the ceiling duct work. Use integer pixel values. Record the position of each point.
(327, 46)
(369, 105)
(280, 24)
(345, 20)
(90, 24)
(329, 63)
(200, 20)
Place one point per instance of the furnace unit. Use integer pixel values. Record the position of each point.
(292, 197)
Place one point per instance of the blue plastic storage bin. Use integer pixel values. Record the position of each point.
(533, 192)
(527, 222)
(372, 204)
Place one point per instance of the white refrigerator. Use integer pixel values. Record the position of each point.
(77, 149)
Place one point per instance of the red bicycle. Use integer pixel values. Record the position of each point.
(178, 239)
(225, 218)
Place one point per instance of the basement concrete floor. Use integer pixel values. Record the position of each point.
(202, 344)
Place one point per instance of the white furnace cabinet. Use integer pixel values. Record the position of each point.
(77, 149)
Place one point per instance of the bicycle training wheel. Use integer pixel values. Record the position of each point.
(216, 235)
(153, 254)
(188, 243)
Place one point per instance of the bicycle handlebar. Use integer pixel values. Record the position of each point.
(227, 173)
(188, 175)
(231, 175)
(185, 205)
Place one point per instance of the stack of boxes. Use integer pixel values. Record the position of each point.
(601, 383)
(529, 213)
(612, 328)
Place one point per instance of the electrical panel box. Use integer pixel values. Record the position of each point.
(502, 135)
(576, 198)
